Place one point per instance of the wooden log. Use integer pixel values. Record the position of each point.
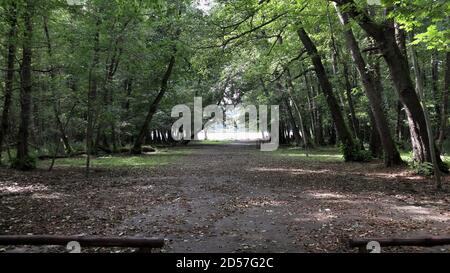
(85, 241)
(424, 241)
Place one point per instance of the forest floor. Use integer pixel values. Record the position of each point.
(227, 198)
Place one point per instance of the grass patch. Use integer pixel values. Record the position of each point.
(408, 156)
(160, 158)
(319, 155)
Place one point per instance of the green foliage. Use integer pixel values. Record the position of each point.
(27, 164)
(354, 153)
(163, 157)
(325, 155)
(428, 19)
(425, 169)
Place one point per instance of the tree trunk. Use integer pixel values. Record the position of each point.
(435, 88)
(376, 148)
(295, 130)
(9, 78)
(344, 134)
(58, 121)
(351, 104)
(23, 160)
(374, 94)
(444, 108)
(137, 147)
(290, 88)
(419, 88)
(92, 97)
(317, 112)
(384, 35)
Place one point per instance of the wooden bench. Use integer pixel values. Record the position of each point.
(142, 244)
(389, 242)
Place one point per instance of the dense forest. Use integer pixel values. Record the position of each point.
(102, 75)
(89, 79)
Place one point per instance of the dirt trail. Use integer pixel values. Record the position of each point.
(228, 198)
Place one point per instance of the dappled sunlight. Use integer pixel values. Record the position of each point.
(158, 158)
(49, 196)
(260, 202)
(293, 171)
(324, 216)
(320, 195)
(422, 213)
(408, 175)
(15, 188)
(266, 203)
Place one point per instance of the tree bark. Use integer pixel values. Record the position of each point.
(23, 160)
(374, 94)
(344, 134)
(9, 75)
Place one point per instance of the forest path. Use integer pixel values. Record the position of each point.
(228, 198)
(234, 198)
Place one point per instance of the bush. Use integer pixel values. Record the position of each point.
(353, 153)
(426, 169)
(27, 164)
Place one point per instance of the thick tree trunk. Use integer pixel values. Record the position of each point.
(137, 147)
(444, 108)
(23, 160)
(9, 75)
(374, 94)
(384, 35)
(344, 134)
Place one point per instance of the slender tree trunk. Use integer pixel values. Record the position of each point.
(290, 88)
(351, 104)
(9, 75)
(435, 88)
(420, 91)
(58, 121)
(374, 94)
(316, 112)
(444, 108)
(137, 147)
(344, 134)
(295, 130)
(399, 128)
(23, 160)
(92, 97)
